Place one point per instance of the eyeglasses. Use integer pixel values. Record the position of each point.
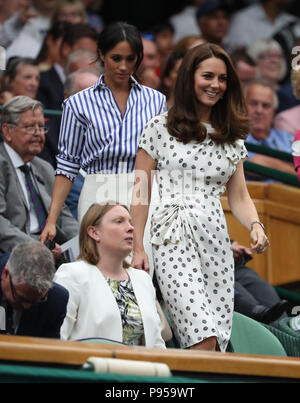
(32, 128)
(74, 14)
(264, 56)
(21, 300)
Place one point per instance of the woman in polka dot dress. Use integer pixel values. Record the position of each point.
(196, 150)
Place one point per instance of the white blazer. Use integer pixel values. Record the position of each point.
(92, 309)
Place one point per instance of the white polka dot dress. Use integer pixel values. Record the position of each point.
(191, 248)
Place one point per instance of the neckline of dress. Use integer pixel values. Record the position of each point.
(207, 125)
(114, 279)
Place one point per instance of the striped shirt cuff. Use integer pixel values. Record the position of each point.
(67, 168)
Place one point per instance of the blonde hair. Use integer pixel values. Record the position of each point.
(87, 245)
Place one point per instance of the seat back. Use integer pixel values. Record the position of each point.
(290, 343)
(99, 340)
(250, 337)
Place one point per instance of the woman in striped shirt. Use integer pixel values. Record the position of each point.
(101, 126)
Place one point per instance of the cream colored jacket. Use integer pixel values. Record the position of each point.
(92, 308)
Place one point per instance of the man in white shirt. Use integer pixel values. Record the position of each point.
(30, 38)
(13, 16)
(185, 22)
(258, 21)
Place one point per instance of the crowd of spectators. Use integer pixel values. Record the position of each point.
(52, 53)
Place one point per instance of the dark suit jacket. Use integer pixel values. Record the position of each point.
(44, 319)
(51, 94)
(14, 213)
(51, 90)
(51, 144)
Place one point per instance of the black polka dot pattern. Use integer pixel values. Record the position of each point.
(191, 247)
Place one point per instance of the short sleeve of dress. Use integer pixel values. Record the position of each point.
(236, 151)
(151, 135)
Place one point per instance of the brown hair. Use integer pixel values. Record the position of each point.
(228, 116)
(87, 246)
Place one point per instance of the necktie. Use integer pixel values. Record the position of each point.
(35, 198)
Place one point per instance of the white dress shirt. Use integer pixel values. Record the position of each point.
(185, 23)
(60, 72)
(29, 41)
(252, 23)
(95, 136)
(10, 29)
(17, 163)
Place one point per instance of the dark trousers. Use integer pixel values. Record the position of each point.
(251, 290)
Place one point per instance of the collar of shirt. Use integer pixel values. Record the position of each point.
(14, 156)
(100, 83)
(60, 72)
(17, 163)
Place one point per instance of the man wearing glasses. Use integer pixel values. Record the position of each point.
(31, 304)
(26, 180)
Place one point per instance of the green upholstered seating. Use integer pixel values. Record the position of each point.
(251, 337)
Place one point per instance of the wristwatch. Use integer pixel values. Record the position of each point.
(257, 222)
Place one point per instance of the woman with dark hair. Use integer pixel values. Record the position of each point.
(50, 50)
(108, 298)
(197, 149)
(169, 76)
(101, 126)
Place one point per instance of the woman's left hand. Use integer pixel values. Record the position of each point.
(260, 239)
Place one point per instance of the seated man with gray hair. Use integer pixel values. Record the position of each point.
(83, 59)
(31, 304)
(26, 181)
(261, 102)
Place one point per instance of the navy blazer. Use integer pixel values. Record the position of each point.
(51, 90)
(44, 319)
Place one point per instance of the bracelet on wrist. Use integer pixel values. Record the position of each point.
(257, 222)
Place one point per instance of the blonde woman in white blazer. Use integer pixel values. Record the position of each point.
(108, 299)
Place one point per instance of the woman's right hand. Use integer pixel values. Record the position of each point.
(49, 232)
(140, 261)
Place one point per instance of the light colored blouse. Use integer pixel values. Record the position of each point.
(96, 136)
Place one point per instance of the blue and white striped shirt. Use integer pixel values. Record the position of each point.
(95, 136)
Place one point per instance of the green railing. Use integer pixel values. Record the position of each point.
(267, 172)
(269, 151)
(49, 113)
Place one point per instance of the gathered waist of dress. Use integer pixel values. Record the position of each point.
(187, 197)
(174, 214)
